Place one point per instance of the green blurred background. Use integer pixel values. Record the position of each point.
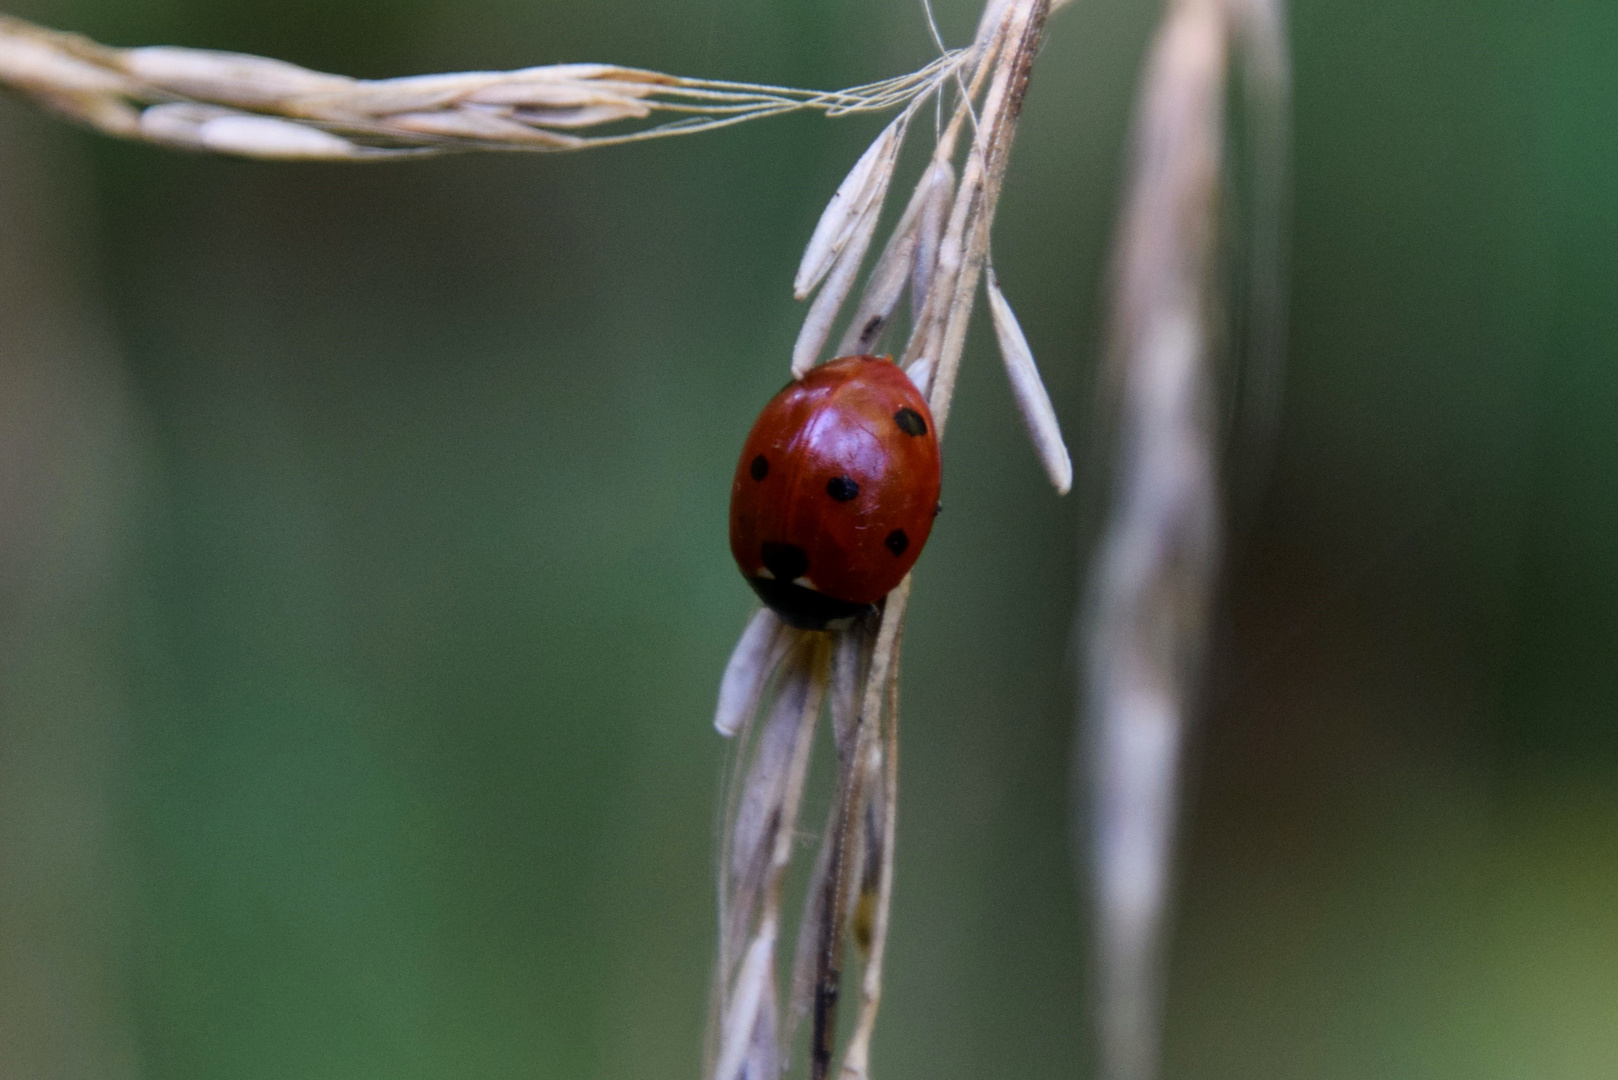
(364, 588)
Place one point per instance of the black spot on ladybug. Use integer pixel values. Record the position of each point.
(897, 541)
(910, 422)
(842, 488)
(787, 561)
(760, 468)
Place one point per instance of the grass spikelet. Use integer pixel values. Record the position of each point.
(895, 267)
(551, 108)
(751, 665)
(760, 850)
(929, 231)
(1038, 415)
(823, 312)
(865, 185)
(225, 77)
(938, 248)
(206, 127)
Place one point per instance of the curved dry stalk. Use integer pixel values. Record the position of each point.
(1152, 580)
(251, 106)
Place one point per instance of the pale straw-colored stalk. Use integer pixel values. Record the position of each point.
(251, 106)
(1151, 584)
(939, 249)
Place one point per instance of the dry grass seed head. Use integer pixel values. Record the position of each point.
(550, 108)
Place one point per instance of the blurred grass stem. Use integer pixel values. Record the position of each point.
(1151, 583)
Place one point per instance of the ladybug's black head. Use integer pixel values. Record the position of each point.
(804, 608)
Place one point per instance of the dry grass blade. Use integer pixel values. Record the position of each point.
(754, 984)
(812, 928)
(1153, 574)
(758, 812)
(850, 666)
(764, 1051)
(929, 233)
(557, 107)
(850, 662)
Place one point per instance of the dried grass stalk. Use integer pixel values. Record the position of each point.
(853, 790)
(1152, 580)
(938, 249)
(197, 99)
(877, 888)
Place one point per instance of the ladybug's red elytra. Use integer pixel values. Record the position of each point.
(835, 492)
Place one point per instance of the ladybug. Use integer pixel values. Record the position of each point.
(835, 492)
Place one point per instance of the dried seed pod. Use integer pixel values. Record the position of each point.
(231, 78)
(929, 232)
(1029, 389)
(896, 266)
(226, 131)
(30, 64)
(752, 662)
(865, 184)
(823, 312)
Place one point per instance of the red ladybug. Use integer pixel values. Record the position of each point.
(835, 492)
